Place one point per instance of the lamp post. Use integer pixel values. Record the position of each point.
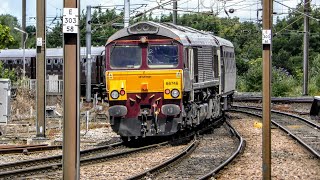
(24, 48)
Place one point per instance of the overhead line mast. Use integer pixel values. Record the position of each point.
(266, 87)
(306, 47)
(126, 13)
(174, 14)
(41, 68)
(88, 58)
(23, 22)
(71, 93)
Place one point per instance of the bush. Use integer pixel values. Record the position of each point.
(8, 74)
(283, 84)
(314, 86)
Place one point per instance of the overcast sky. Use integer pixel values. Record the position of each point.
(244, 9)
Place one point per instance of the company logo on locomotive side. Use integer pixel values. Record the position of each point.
(144, 76)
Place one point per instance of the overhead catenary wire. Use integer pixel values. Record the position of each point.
(300, 17)
(298, 11)
(139, 14)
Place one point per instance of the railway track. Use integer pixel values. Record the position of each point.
(303, 130)
(248, 98)
(10, 149)
(53, 163)
(201, 159)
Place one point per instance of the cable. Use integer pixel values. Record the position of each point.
(300, 17)
(298, 11)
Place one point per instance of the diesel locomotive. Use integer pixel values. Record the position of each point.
(163, 78)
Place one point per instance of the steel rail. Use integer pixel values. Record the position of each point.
(284, 113)
(55, 166)
(57, 158)
(20, 146)
(27, 149)
(189, 149)
(308, 147)
(226, 162)
(238, 98)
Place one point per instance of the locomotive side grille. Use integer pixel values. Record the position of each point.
(205, 64)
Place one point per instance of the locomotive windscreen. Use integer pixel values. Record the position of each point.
(125, 57)
(162, 56)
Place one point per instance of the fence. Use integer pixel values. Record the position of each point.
(52, 86)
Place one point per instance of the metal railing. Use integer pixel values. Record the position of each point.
(52, 86)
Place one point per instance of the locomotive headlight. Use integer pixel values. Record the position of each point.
(114, 94)
(143, 39)
(175, 93)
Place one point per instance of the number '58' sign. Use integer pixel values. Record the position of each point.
(70, 20)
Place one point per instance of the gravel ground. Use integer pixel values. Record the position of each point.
(289, 159)
(90, 139)
(124, 167)
(213, 149)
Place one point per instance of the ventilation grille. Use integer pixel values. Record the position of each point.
(205, 64)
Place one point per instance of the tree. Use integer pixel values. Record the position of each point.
(5, 38)
(31, 41)
(11, 22)
(54, 36)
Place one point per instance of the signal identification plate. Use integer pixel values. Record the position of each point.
(266, 36)
(70, 20)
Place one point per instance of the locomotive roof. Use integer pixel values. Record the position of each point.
(223, 42)
(185, 35)
(50, 52)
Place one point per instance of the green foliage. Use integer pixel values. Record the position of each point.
(201, 22)
(8, 74)
(11, 22)
(315, 76)
(31, 41)
(282, 82)
(54, 37)
(101, 27)
(5, 38)
(251, 81)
